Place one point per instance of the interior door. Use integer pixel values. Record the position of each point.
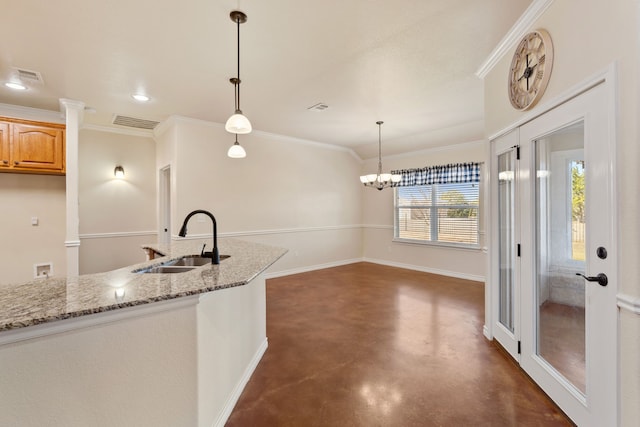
(505, 265)
(568, 322)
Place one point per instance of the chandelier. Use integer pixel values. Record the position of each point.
(380, 180)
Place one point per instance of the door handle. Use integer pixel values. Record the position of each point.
(601, 278)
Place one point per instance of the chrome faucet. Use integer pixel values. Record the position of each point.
(214, 254)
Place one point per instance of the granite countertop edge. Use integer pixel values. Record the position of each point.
(48, 300)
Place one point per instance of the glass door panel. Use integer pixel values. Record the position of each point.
(560, 242)
(506, 237)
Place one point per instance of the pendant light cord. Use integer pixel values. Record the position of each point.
(238, 91)
(379, 148)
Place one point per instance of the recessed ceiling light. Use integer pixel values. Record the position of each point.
(140, 97)
(15, 86)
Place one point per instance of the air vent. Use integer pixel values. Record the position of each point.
(29, 75)
(320, 106)
(132, 122)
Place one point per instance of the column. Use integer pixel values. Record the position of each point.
(73, 111)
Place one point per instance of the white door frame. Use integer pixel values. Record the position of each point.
(164, 204)
(608, 81)
(508, 339)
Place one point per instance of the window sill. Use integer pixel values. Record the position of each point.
(444, 245)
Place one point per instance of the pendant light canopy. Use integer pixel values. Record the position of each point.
(238, 122)
(236, 151)
(380, 180)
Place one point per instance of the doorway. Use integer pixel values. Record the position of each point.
(554, 267)
(164, 208)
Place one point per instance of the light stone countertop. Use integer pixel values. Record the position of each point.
(47, 300)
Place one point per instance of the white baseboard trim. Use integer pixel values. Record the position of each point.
(629, 303)
(289, 272)
(448, 273)
(239, 388)
(487, 333)
(306, 269)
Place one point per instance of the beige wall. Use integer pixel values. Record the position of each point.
(289, 193)
(378, 218)
(588, 36)
(23, 245)
(116, 215)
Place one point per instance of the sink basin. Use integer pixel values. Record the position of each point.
(166, 269)
(180, 265)
(191, 260)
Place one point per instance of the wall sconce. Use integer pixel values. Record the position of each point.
(118, 172)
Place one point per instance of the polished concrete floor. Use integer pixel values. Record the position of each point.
(562, 341)
(371, 345)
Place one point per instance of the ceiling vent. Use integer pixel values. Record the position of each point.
(29, 75)
(320, 106)
(133, 122)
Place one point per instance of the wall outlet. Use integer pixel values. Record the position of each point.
(34, 220)
(42, 271)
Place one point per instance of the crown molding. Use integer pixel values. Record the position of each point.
(28, 113)
(172, 120)
(129, 132)
(522, 25)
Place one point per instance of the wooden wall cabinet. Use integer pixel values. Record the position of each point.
(31, 147)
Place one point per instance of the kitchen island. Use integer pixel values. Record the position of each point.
(125, 348)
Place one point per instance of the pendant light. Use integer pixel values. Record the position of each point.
(238, 122)
(236, 151)
(380, 180)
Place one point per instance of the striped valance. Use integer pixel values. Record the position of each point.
(447, 174)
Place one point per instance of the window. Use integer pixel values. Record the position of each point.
(438, 213)
(578, 223)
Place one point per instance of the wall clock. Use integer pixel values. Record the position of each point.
(530, 69)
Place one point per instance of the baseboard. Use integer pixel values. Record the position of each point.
(239, 388)
(306, 269)
(440, 272)
(487, 333)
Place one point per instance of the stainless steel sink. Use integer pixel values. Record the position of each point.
(179, 265)
(166, 269)
(190, 260)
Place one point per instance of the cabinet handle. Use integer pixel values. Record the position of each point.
(16, 162)
(6, 162)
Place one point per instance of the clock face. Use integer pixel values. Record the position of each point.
(530, 69)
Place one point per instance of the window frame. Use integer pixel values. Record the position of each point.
(433, 208)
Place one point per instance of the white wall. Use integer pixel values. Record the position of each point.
(116, 215)
(378, 218)
(588, 36)
(289, 193)
(25, 196)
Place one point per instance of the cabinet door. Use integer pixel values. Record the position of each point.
(5, 156)
(37, 147)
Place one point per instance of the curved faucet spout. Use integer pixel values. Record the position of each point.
(214, 254)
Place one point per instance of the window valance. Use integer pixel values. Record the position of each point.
(447, 174)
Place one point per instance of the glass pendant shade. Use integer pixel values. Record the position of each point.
(236, 151)
(238, 124)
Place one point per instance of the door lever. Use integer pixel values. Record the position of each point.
(601, 278)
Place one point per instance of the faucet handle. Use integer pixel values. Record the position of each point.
(202, 251)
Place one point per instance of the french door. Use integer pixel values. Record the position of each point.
(562, 294)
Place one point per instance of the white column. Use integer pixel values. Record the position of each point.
(73, 112)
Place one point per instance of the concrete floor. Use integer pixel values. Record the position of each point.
(370, 345)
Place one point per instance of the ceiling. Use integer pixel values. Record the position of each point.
(410, 63)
